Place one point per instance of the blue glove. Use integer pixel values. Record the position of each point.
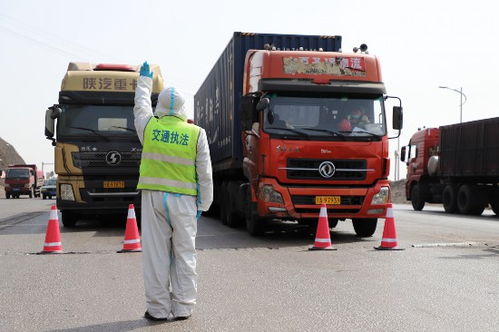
(145, 71)
(198, 214)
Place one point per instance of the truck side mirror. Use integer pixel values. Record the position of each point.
(51, 114)
(263, 104)
(248, 111)
(402, 153)
(398, 117)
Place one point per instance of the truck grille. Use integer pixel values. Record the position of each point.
(98, 159)
(309, 169)
(310, 200)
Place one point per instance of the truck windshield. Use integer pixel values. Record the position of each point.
(339, 117)
(97, 121)
(50, 182)
(17, 173)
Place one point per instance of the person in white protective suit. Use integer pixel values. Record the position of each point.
(176, 183)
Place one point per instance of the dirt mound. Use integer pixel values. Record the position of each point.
(8, 156)
(398, 192)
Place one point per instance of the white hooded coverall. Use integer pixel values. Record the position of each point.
(169, 222)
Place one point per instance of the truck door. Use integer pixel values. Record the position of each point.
(250, 139)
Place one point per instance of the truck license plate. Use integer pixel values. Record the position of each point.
(333, 200)
(114, 184)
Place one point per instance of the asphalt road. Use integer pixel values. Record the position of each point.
(447, 281)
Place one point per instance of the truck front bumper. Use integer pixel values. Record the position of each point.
(299, 202)
(89, 196)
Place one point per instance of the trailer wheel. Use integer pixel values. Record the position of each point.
(69, 219)
(365, 227)
(449, 199)
(470, 200)
(417, 198)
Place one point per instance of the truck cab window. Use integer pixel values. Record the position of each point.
(325, 116)
(87, 120)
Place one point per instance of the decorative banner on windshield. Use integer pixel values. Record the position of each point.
(338, 66)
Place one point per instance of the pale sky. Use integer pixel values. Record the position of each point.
(421, 45)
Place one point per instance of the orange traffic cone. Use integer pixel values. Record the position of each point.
(132, 236)
(52, 244)
(322, 238)
(389, 240)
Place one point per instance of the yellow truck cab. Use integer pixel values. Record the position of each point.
(97, 151)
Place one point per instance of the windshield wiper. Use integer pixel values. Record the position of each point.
(91, 130)
(126, 128)
(364, 132)
(332, 132)
(301, 133)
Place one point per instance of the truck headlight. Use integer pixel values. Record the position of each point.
(381, 197)
(269, 194)
(67, 193)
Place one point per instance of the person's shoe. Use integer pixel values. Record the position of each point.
(150, 317)
(181, 317)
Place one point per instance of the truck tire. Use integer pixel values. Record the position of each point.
(417, 198)
(365, 227)
(69, 219)
(470, 200)
(233, 218)
(223, 203)
(7, 196)
(254, 224)
(494, 204)
(449, 198)
(31, 193)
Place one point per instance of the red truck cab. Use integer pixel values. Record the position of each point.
(422, 146)
(298, 152)
(23, 180)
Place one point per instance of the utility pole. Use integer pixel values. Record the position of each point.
(460, 91)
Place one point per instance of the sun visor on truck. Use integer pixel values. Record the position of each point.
(331, 87)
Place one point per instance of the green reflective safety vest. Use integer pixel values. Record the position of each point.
(169, 156)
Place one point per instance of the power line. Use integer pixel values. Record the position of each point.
(32, 31)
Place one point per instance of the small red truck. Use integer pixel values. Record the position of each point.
(294, 123)
(23, 180)
(456, 165)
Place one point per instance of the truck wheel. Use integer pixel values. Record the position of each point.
(31, 193)
(68, 219)
(7, 196)
(254, 224)
(44, 196)
(233, 218)
(223, 203)
(470, 200)
(417, 198)
(364, 227)
(449, 199)
(494, 204)
(333, 223)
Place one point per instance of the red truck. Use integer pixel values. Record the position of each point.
(23, 180)
(456, 165)
(279, 113)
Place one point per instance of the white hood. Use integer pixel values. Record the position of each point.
(170, 102)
